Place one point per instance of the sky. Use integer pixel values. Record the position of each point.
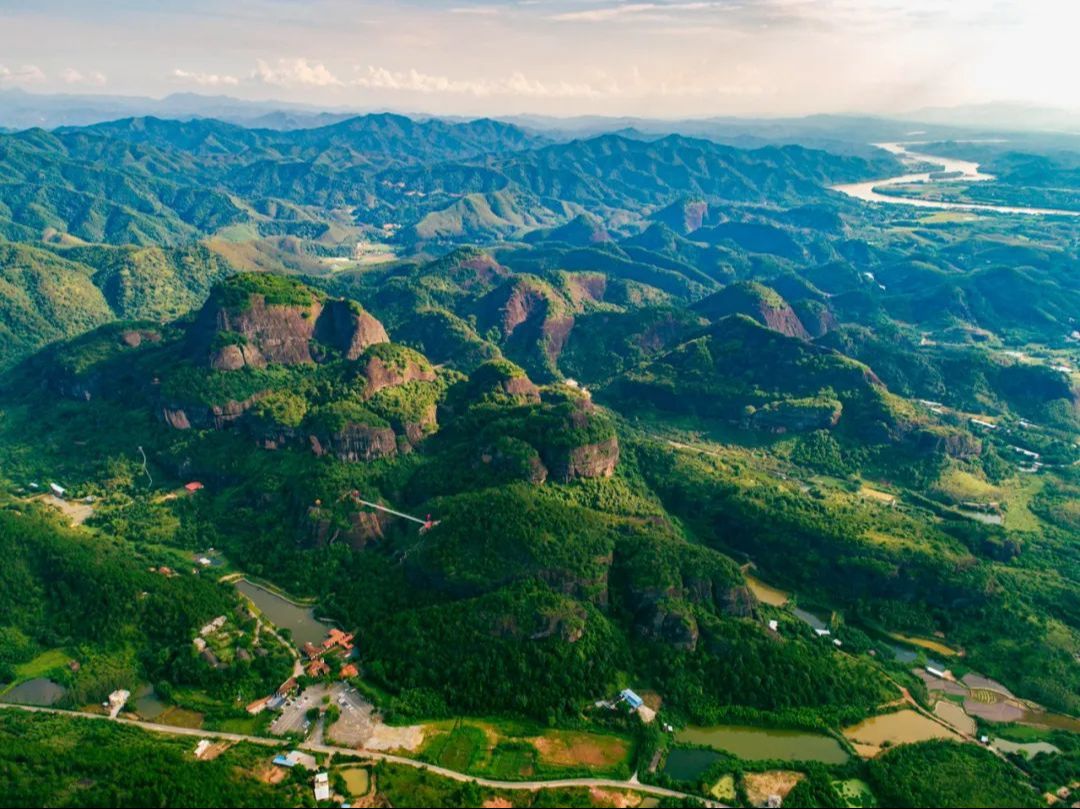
(657, 58)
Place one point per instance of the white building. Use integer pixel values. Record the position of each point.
(117, 701)
(322, 787)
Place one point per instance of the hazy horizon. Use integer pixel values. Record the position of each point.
(660, 59)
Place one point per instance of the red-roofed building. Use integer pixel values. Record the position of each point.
(311, 651)
(348, 671)
(317, 668)
(338, 638)
(194, 486)
(287, 687)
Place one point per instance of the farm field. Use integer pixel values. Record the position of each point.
(513, 751)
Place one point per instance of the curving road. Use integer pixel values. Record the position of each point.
(602, 783)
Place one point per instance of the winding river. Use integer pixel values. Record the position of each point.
(952, 170)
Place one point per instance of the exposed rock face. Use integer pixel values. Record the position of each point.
(588, 461)
(176, 418)
(817, 318)
(365, 527)
(357, 442)
(382, 374)
(954, 443)
(521, 387)
(523, 303)
(758, 302)
(133, 338)
(556, 331)
(349, 328)
(669, 623)
(740, 602)
(230, 338)
(234, 357)
(183, 417)
(417, 431)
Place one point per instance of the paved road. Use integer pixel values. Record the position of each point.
(602, 783)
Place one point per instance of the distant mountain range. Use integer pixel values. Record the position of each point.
(22, 110)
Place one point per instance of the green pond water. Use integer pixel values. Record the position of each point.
(284, 614)
(39, 691)
(147, 702)
(688, 765)
(756, 744)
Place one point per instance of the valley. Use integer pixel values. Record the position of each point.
(485, 464)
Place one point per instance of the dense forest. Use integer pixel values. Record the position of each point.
(601, 413)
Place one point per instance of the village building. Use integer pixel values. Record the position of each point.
(294, 758)
(213, 626)
(287, 687)
(337, 638)
(117, 700)
(631, 699)
(322, 787)
(317, 668)
(348, 671)
(258, 706)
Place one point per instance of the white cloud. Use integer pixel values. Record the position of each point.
(73, 76)
(205, 79)
(27, 74)
(295, 73)
(516, 84)
(624, 10)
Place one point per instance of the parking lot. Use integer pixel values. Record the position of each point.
(357, 721)
(293, 717)
(358, 724)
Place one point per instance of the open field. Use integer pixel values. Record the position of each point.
(41, 665)
(509, 751)
(760, 785)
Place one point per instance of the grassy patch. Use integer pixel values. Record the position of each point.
(181, 718)
(42, 664)
(511, 761)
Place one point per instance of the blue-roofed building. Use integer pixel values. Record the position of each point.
(631, 699)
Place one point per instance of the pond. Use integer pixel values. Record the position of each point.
(765, 593)
(1028, 749)
(688, 765)
(901, 727)
(39, 691)
(147, 703)
(757, 744)
(908, 657)
(284, 614)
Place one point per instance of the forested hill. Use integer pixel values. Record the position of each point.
(149, 181)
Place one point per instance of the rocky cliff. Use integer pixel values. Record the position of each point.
(757, 301)
(250, 323)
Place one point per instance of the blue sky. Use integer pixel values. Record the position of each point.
(563, 57)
